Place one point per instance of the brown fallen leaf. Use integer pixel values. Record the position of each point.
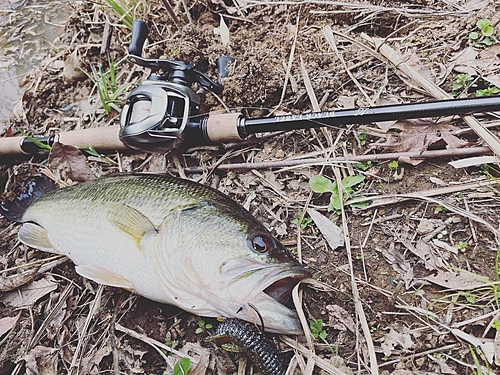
(457, 280)
(443, 366)
(417, 135)
(70, 162)
(72, 68)
(42, 360)
(91, 361)
(7, 323)
(8, 283)
(424, 252)
(414, 61)
(488, 62)
(201, 367)
(29, 293)
(484, 63)
(399, 264)
(395, 338)
(464, 61)
(340, 317)
(332, 233)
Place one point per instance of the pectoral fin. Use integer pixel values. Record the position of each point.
(36, 236)
(131, 221)
(102, 275)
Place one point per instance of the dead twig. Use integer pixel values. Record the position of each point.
(75, 362)
(172, 13)
(355, 293)
(357, 158)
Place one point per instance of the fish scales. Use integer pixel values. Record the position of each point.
(170, 240)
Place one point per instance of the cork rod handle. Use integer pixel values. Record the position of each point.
(101, 139)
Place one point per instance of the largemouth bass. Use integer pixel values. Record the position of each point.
(170, 240)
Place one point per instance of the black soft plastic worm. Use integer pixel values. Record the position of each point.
(239, 336)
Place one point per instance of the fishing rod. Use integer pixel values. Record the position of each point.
(163, 112)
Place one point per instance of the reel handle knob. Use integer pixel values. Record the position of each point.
(140, 32)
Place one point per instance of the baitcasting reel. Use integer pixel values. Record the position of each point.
(159, 111)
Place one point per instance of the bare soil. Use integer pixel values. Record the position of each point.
(402, 309)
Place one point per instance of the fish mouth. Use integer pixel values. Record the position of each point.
(267, 288)
(275, 280)
(282, 289)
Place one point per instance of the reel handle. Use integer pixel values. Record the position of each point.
(140, 32)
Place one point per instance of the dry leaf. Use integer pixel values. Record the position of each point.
(201, 367)
(438, 181)
(70, 162)
(443, 366)
(332, 233)
(223, 31)
(464, 61)
(42, 360)
(425, 226)
(417, 135)
(466, 337)
(484, 63)
(488, 349)
(477, 4)
(445, 246)
(90, 363)
(72, 67)
(399, 263)
(424, 252)
(456, 281)
(487, 62)
(29, 293)
(414, 62)
(7, 323)
(340, 317)
(13, 282)
(346, 102)
(394, 339)
(470, 162)
(493, 79)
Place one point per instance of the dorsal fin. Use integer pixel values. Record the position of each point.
(14, 209)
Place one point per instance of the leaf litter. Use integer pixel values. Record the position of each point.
(390, 252)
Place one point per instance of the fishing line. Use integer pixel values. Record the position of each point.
(256, 310)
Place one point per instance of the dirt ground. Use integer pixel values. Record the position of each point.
(413, 290)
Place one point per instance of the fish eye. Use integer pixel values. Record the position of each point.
(260, 244)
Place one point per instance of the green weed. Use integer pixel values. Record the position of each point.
(111, 94)
(128, 11)
(363, 165)
(463, 82)
(321, 184)
(496, 324)
(182, 367)
(362, 138)
(304, 223)
(462, 246)
(439, 209)
(42, 146)
(485, 37)
(169, 342)
(488, 91)
(317, 331)
(202, 326)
